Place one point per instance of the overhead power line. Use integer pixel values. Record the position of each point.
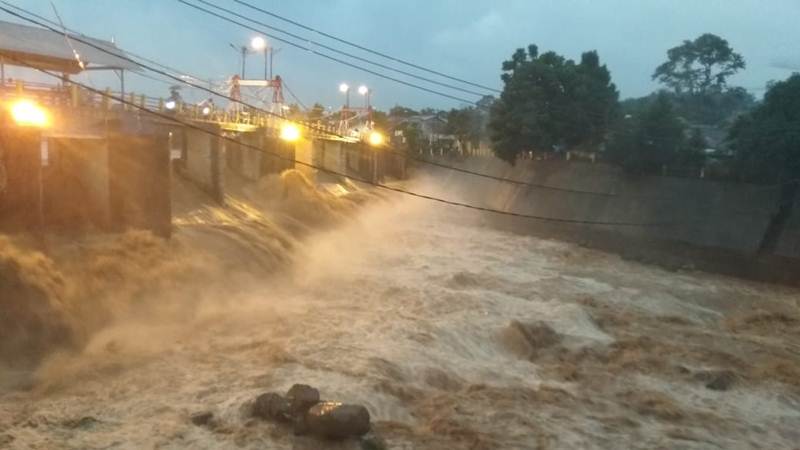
(340, 52)
(180, 79)
(357, 178)
(306, 124)
(360, 47)
(329, 57)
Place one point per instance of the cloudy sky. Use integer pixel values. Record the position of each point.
(468, 39)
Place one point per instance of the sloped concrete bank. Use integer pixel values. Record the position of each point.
(674, 222)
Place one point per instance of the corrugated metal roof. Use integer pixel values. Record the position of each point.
(33, 45)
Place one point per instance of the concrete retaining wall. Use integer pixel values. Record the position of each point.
(731, 216)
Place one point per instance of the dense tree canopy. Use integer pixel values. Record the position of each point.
(655, 138)
(715, 108)
(316, 112)
(700, 66)
(766, 142)
(549, 101)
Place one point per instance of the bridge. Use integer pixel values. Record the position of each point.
(104, 159)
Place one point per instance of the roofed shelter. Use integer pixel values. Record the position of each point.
(41, 48)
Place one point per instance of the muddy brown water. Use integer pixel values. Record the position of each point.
(414, 311)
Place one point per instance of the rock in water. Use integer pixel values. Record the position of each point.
(335, 421)
(301, 398)
(202, 418)
(272, 406)
(721, 381)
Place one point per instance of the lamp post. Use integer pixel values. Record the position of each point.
(259, 44)
(345, 89)
(366, 92)
(243, 49)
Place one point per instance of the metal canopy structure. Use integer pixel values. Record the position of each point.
(26, 46)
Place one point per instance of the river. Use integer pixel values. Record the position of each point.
(428, 316)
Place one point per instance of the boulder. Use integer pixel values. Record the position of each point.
(334, 420)
(301, 398)
(272, 406)
(201, 418)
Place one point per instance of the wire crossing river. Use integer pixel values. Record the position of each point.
(454, 335)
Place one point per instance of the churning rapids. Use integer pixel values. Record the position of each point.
(453, 334)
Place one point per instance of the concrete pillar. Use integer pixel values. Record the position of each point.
(21, 193)
(205, 161)
(140, 184)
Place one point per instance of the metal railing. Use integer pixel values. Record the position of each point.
(71, 96)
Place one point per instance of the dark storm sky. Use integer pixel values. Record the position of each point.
(465, 38)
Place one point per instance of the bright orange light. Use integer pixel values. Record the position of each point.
(375, 139)
(290, 132)
(27, 113)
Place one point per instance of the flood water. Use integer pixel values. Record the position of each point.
(410, 310)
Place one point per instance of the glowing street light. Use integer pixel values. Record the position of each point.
(375, 139)
(170, 104)
(345, 89)
(27, 113)
(206, 110)
(290, 132)
(363, 90)
(258, 43)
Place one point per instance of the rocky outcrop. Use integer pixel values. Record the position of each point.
(308, 415)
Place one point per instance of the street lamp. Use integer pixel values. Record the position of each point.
(375, 139)
(366, 92)
(27, 113)
(290, 132)
(345, 89)
(259, 44)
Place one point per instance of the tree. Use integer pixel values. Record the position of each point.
(766, 142)
(380, 120)
(549, 102)
(412, 137)
(766, 146)
(465, 124)
(700, 66)
(316, 112)
(645, 144)
(294, 112)
(401, 111)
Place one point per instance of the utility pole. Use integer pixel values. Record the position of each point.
(244, 58)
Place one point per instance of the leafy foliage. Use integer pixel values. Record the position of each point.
(713, 108)
(551, 101)
(699, 66)
(316, 112)
(645, 143)
(766, 142)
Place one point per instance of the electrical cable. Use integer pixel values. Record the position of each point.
(374, 52)
(356, 178)
(340, 52)
(326, 56)
(311, 126)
